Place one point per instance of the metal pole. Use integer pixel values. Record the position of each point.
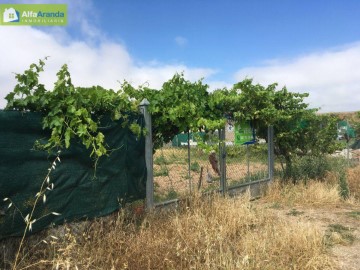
(347, 143)
(348, 153)
(271, 152)
(144, 108)
(189, 160)
(222, 157)
(248, 162)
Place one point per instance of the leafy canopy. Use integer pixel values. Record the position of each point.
(69, 111)
(179, 106)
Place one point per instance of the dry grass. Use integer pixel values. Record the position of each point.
(313, 193)
(176, 178)
(171, 172)
(210, 233)
(221, 233)
(353, 179)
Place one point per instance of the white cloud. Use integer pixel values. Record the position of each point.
(214, 85)
(332, 77)
(103, 64)
(181, 41)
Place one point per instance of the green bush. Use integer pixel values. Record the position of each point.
(257, 152)
(339, 166)
(255, 176)
(163, 171)
(172, 194)
(236, 151)
(313, 167)
(316, 167)
(160, 160)
(195, 167)
(343, 186)
(308, 167)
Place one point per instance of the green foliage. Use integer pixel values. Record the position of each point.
(309, 167)
(318, 135)
(163, 171)
(354, 214)
(345, 232)
(357, 125)
(339, 165)
(161, 160)
(179, 106)
(253, 176)
(245, 101)
(295, 212)
(195, 167)
(304, 133)
(209, 143)
(298, 130)
(236, 151)
(343, 185)
(69, 112)
(170, 195)
(257, 152)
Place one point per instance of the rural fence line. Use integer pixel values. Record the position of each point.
(179, 168)
(130, 173)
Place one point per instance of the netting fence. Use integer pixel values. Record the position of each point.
(79, 192)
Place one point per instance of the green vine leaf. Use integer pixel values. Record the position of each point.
(69, 112)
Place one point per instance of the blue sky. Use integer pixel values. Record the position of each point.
(229, 35)
(309, 46)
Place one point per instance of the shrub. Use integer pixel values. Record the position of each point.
(343, 185)
(195, 167)
(160, 160)
(163, 171)
(309, 167)
(257, 152)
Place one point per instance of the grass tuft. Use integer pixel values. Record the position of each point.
(213, 233)
(339, 234)
(312, 193)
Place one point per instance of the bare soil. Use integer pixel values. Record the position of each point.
(341, 225)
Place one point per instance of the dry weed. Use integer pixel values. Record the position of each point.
(216, 233)
(313, 193)
(353, 179)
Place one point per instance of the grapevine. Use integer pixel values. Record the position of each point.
(69, 112)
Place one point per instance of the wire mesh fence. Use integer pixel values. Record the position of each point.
(246, 163)
(175, 175)
(203, 163)
(182, 169)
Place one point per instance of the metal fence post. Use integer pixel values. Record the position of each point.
(271, 152)
(222, 156)
(144, 108)
(189, 162)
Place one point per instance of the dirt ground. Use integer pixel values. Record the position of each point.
(341, 225)
(176, 176)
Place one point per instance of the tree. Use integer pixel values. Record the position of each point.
(179, 106)
(298, 129)
(357, 125)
